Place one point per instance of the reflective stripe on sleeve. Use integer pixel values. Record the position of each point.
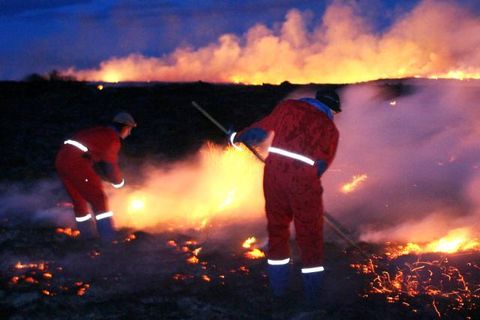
(76, 144)
(278, 262)
(104, 215)
(83, 218)
(291, 155)
(314, 269)
(119, 185)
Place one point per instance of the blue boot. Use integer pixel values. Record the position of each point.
(88, 230)
(312, 286)
(105, 229)
(279, 278)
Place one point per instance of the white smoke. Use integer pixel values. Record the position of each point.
(38, 203)
(419, 151)
(421, 156)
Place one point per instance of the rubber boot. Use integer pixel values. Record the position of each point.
(106, 230)
(279, 278)
(312, 286)
(88, 230)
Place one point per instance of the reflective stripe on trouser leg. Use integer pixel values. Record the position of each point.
(104, 215)
(83, 218)
(278, 262)
(313, 269)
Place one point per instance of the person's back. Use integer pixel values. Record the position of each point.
(304, 144)
(300, 128)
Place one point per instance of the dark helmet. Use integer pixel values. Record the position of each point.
(124, 118)
(329, 98)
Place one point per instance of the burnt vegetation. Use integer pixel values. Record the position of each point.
(47, 273)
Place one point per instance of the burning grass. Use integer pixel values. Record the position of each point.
(441, 276)
(179, 274)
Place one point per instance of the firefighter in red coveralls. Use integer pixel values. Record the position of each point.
(303, 147)
(82, 162)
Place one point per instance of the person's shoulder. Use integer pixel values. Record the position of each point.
(102, 130)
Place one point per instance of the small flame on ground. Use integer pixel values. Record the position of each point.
(354, 184)
(456, 240)
(130, 237)
(252, 253)
(68, 231)
(248, 243)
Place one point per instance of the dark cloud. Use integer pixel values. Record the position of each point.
(14, 7)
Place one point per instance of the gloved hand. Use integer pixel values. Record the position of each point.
(321, 166)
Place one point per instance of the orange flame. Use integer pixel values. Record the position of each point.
(456, 240)
(253, 253)
(249, 242)
(68, 231)
(222, 184)
(353, 185)
(343, 48)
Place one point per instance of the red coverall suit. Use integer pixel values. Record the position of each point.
(292, 187)
(75, 166)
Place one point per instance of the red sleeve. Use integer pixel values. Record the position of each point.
(326, 146)
(114, 174)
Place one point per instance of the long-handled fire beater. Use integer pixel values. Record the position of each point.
(329, 220)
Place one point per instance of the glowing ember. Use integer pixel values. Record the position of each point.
(192, 260)
(130, 237)
(68, 231)
(206, 278)
(83, 287)
(171, 243)
(353, 185)
(46, 292)
(436, 280)
(47, 275)
(14, 280)
(39, 266)
(179, 276)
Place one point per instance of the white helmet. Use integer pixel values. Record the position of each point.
(124, 118)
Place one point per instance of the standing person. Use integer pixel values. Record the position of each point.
(304, 143)
(82, 162)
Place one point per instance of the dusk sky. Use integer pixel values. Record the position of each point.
(79, 35)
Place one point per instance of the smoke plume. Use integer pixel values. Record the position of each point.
(418, 154)
(340, 47)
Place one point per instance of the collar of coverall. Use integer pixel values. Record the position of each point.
(320, 106)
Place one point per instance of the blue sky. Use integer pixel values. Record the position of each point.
(39, 36)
